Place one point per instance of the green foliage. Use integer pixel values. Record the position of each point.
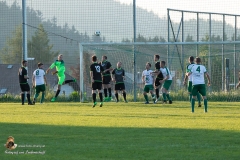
(9, 98)
(39, 47)
(12, 51)
(75, 97)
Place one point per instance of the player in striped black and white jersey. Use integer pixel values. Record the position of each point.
(189, 78)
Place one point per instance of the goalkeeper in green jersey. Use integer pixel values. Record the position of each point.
(60, 72)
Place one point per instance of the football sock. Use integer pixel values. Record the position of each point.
(199, 97)
(157, 93)
(28, 97)
(68, 81)
(146, 98)
(164, 96)
(23, 97)
(190, 98)
(168, 96)
(57, 93)
(42, 99)
(124, 96)
(153, 95)
(101, 97)
(205, 105)
(94, 97)
(110, 92)
(193, 103)
(116, 95)
(105, 92)
(36, 95)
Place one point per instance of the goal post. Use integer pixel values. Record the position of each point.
(209, 52)
(81, 73)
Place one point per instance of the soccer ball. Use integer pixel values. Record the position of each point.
(97, 33)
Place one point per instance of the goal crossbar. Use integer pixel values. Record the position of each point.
(163, 43)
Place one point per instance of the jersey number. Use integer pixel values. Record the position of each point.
(37, 72)
(198, 69)
(97, 68)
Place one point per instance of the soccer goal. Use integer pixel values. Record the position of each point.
(135, 55)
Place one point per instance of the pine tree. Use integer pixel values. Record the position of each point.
(39, 47)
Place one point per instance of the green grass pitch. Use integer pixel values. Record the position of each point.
(120, 131)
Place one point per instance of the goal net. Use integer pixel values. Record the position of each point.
(135, 55)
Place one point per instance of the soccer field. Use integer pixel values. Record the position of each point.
(120, 131)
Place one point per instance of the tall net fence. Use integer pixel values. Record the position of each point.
(57, 27)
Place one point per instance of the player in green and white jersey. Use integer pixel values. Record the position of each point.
(148, 79)
(189, 78)
(39, 81)
(167, 81)
(198, 71)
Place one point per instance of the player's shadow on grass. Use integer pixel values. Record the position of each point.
(76, 142)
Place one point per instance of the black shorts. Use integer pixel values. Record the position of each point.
(25, 87)
(97, 86)
(106, 79)
(119, 86)
(157, 83)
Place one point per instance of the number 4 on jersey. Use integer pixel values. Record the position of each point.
(198, 69)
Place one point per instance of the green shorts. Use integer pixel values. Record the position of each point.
(148, 88)
(40, 88)
(167, 84)
(199, 88)
(61, 79)
(190, 86)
